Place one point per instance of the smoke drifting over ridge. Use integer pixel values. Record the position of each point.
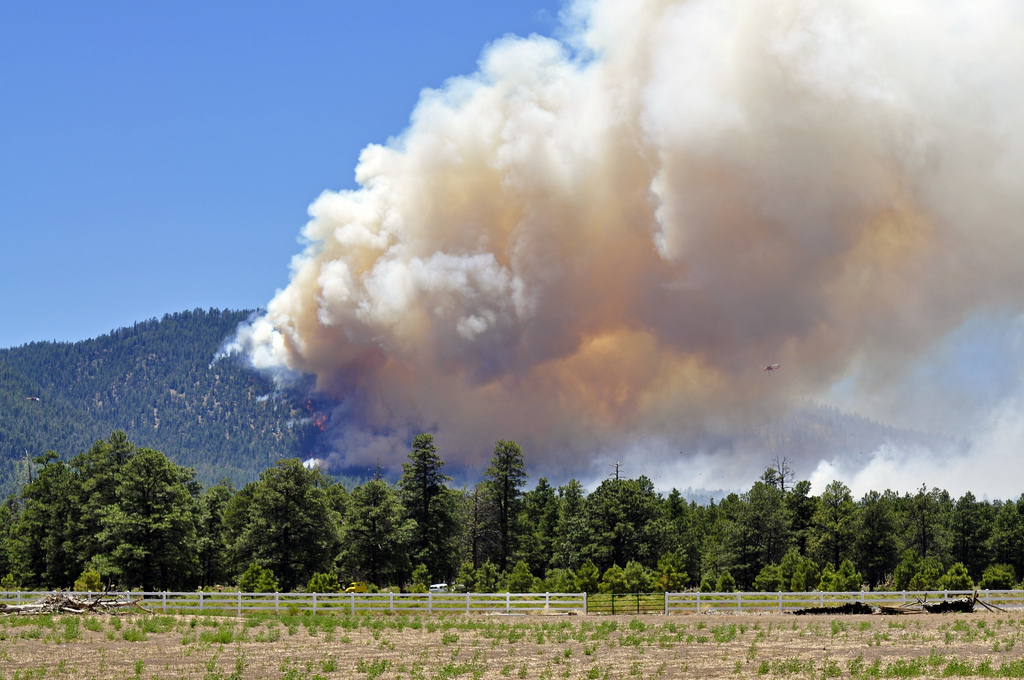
(592, 246)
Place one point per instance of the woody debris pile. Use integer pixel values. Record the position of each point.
(65, 603)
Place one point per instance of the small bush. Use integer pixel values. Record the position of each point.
(257, 579)
(89, 581)
(998, 577)
(957, 578)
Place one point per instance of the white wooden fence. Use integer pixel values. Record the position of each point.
(234, 603)
(781, 602)
(237, 604)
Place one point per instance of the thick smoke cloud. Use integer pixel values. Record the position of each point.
(593, 245)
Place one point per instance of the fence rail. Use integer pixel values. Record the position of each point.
(781, 602)
(237, 604)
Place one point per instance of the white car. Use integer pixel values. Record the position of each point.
(439, 588)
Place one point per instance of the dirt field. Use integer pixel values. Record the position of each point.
(691, 646)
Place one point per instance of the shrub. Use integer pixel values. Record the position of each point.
(928, 576)
(560, 581)
(420, 576)
(467, 577)
(520, 580)
(848, 578)
(673, 575)
(487, 578)
(998, 577)
(614, 580)
(707, 584)
(770, 579)
(89, 581)
(638, 578)
(957, 578)
(906, 570)
(257, 579)
(806, 577)
(323, 583)
(587, 577)
(845, 580)
(726, 583)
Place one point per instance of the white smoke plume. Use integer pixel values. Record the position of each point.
(592, 245)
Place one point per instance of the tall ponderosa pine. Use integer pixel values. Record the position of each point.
(150, 532)
(538, 519)
(832, 527)
(572, 530)
(376, 536)
(627, 521)
(290, 527)
(42, 544)
(433, 506)
(875, 546)
(505, 477)
(213, 544)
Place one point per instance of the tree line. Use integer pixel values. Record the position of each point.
(127, 516)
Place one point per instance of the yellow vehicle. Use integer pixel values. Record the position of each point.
(356, 587)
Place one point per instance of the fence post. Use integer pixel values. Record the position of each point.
(780, 601)
(239, 603)
(314, 603)
(467, 601)
(508, 602)
(547, 601)
(584, 602)
(739, 600)
(430, 602)
(200, 602)
(904, 597)
(352, 604)
(163, 602)
(666, 603)
(821, 599)
(698, 602)
(277, 605)
(19, 597)
(391, 602)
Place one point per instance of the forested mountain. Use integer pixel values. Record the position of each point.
(153, 380)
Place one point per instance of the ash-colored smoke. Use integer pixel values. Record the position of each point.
(593, 245)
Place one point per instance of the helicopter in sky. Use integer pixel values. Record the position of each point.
(772, 367)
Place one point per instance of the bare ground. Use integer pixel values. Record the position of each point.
(651, 646)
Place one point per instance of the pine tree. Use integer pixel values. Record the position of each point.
(290, 527)
(505, 477)
(376, 536)
(151, 530)
(433, 506)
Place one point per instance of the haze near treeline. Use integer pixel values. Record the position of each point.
(593, 244)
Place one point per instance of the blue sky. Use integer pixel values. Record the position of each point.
(156, 157)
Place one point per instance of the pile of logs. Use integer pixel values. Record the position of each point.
(848, 608)
(64, 603)
(964, 605)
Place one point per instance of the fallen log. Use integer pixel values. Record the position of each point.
(847, 608)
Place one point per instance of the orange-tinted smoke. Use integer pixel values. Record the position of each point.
(592, 243)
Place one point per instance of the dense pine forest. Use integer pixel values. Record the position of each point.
(125, 515)
(155, 382)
